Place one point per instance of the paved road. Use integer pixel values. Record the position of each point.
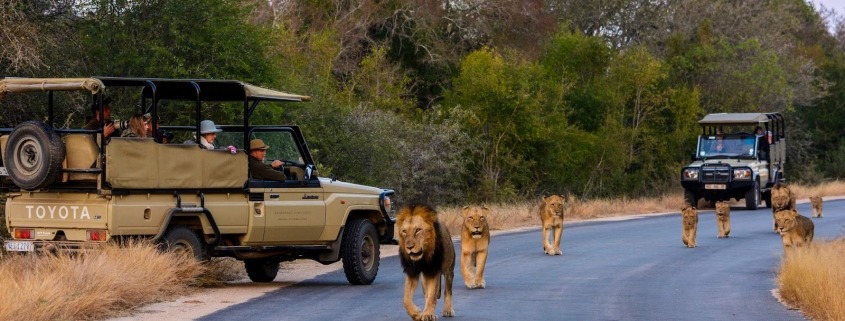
(626, 270)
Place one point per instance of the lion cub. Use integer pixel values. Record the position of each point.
(475, 239)
(425, 249)
(551, 214)
(816, 203)
(690, 225)
(782, 199)
(723, 218)
(795, 229)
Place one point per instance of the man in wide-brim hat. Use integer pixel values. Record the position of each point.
(257, 168)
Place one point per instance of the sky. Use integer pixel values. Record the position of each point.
(838, 5)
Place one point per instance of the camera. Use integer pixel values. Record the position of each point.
(118, 124)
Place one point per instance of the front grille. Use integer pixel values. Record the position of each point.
(716, 174)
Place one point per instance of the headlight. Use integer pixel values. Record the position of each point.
(742, 173)
(690, 174)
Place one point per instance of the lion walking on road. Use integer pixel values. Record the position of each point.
(475, 240)
(551, 213)
(425, 248)
(782, 199)
(723, 218)
(816, 203)
(689, 219)
(795, 229)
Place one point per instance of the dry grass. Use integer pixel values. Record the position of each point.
(524, 214)
(92, 285)
(812, 278)
(834, 188)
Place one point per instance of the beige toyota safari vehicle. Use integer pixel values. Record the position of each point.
(69, 189)
(733, 160)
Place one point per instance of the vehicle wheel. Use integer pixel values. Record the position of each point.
(262, 270)
(752, 197)
(181, 239)
(767, 197)
(34, 155)
(360, 252)
(689, 197)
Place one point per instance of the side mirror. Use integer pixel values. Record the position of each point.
(692, 157)
(308, 169)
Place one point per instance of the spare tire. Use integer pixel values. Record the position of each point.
(34, 155)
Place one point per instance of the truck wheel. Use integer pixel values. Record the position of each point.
(34, 155)
(689, 197)
(262, 270)
(752, 197)
(767, 197)
(181, 239)
(360, 252)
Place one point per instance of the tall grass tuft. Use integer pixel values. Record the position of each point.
(811, 278)
(92, 285)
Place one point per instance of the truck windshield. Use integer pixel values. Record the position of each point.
(727, 146)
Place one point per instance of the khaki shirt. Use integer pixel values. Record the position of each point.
(259, 170)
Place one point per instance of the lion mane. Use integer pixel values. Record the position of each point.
(795, 229)
(552, 214)
(816, 203)
(475, 239)
(723, 218)
(782, 199)
(425, 250)
(689, 221)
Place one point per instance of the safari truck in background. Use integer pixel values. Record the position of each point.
(731, 160)
(68, 189)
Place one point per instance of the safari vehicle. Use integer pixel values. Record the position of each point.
(68, 189)
(732, 160)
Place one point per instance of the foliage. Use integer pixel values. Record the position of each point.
(478, 101)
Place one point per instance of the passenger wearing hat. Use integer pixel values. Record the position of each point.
(208, 132)
(259, 170)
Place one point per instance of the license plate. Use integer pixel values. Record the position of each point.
(714, 186)
(3, 171)
(19, 246)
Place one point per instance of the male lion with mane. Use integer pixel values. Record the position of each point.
(475, 239)
(816, 203)
(795, 229)
(425, 247)
(723, 218)
(689, 221)
(782, 199)
(551, 213)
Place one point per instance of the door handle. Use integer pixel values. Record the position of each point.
(274, 195)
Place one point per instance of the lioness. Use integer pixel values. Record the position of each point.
(816, 203)
(690, 225)
(795, 229)
(475, 238)
(782, 199)
(723, 218)
(425, 247)
(551, 214)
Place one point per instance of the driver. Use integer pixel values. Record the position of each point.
(259, 170)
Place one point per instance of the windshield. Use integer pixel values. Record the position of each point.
(727, 146)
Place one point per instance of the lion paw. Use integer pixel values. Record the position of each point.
(449, 312)
(469, 284)
(558, 252)
(480, 284)
(428, 317)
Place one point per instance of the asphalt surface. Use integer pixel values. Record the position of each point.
(621, 270)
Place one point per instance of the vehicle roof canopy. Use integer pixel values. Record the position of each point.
(176, 89)
(738, 118)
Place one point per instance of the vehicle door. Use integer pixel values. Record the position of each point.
(294, 210)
